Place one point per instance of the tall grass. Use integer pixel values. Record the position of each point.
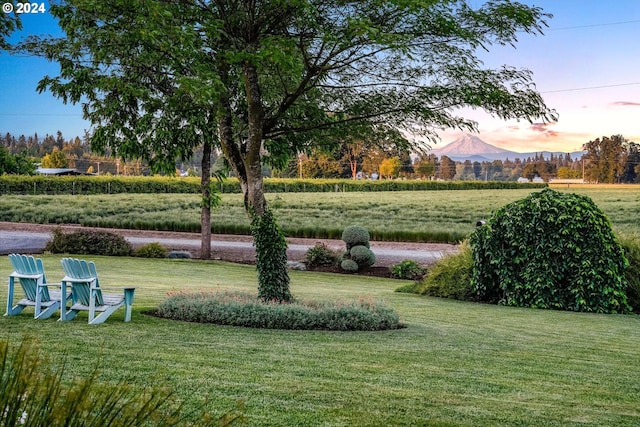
(456, 364)
(440, 216)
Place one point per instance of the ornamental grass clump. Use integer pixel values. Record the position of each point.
(550, 250)
(34, 391)
(243, 309)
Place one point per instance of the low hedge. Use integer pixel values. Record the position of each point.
(243, 309)
(39, 184)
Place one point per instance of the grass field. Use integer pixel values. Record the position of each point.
(456, 363)
(403, 215)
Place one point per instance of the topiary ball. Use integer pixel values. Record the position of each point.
(349, 265)
(354, 235)
(550, 250)
(362, 256)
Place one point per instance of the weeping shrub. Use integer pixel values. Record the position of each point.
(550, 250)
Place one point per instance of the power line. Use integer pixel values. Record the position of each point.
(603, 24)
(40, 114)
(591, 87)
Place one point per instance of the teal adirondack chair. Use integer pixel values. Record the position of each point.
(30, 273)
(87, 295)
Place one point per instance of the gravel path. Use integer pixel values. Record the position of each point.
(32, 238)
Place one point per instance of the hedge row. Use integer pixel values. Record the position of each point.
(20, 184)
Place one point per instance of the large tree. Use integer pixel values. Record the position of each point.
(264, 79)
(604, 159)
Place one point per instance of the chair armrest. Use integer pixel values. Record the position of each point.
(57, 285)
(25, 276)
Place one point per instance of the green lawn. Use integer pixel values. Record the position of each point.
(456, 364)
(393, 215)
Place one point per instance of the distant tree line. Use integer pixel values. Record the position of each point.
(389, 163)
(606, 160)
(21, 155)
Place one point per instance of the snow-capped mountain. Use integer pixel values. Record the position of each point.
(470, 147)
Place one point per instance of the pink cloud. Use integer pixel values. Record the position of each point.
(626, 104)
(544, 128)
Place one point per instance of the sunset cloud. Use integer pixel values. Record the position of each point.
(626, 104)
(543, 128)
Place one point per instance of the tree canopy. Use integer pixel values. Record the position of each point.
(611, 160)
(267, 79)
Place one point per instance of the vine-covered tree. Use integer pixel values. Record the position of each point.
(265, 79)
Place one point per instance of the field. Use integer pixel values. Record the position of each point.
(436, 216)
(456, 363)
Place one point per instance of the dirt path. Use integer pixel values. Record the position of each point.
(22, 237)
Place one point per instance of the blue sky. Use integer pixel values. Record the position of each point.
(586, 66)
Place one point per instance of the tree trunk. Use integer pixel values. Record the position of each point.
(205, 213)
(245, 159)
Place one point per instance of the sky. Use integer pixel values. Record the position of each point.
(586, 66)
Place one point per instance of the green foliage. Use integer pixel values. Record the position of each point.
(450, 276)
(151, 250)
(35, 392)
(407, 269)
(321, 255)
(271, 258)
(41, 184)
(355, 235)
(15, 164)
(358, 253)
(88, 243)
(55, 159)
(242, 309)
(550, 250)
(362, 255)
(631, 247)
(349, 265)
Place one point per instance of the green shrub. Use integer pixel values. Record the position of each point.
(631, 246)
(35, 392)
(363, 256)
(152, 250)
(450, 276)
(349, 265)
(354, 235)
(243, 309)
(40, 184)
(356, 239)
(408, 270)
(88, 243)
(550, 250)
(271, 258)
(321, 255)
